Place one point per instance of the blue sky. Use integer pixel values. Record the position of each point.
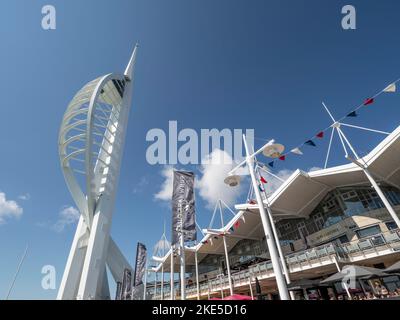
(264, 65)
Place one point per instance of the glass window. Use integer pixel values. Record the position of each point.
(319, 221)
(391, 225)
(301, 226)
(367, 232)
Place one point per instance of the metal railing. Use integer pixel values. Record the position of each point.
(387, 242)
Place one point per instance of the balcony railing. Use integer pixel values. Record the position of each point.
(384, 243)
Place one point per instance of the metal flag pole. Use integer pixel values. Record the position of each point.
(228, 267)
(171, 277)
(145, 282)
(17, 272)
(344, 283)
(280, 280)
(343, 139)
(197, 274)
(182, 251)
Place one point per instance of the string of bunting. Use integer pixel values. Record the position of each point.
(320, 134)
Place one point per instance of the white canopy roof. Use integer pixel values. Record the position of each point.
(299, 195)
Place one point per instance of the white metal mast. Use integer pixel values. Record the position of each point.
(336, 125)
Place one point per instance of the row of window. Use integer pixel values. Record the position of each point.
(338, 205)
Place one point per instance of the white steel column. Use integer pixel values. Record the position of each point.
(278, 244)
(378, 190)
(280, 280)
(228, 266)
(155, 286)
(162, 281)
(250, 286)
(197, 275)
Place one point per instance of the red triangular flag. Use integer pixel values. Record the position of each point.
(282, 158)
(320, 135)
(369, 101)
(263, 180)
(237, 224)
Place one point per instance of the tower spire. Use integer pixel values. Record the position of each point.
(131, 65)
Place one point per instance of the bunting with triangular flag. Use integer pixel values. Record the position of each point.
(262, 179)
(390, 88)
(352, 114)
(321, 134)
(232, 229)
(237, 224)
(204, 242)
(369, 101)
(260, 188)
(297, 151)
(310, 143)
(271, 164)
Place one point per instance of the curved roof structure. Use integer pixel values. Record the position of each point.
(298, 196)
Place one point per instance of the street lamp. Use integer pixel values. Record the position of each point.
(274, 150)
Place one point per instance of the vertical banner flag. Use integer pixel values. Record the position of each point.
(126, 287)
(140, 265)
(183, 206)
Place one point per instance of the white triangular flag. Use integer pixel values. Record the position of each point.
(296, 151)
(390, 88)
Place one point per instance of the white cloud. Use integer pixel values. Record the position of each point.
(165, 192)
(140, 186)
(8, 209)
(67, 216)
(24, 197)
(211, 185)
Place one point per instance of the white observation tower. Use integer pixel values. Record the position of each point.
(91, 142)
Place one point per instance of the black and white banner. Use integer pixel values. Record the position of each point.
(140, 265)
(183, 206)
(126, 287)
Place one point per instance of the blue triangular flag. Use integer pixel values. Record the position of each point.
(232, 229)
(271, 164)
(261, 189)
(310, 143)
(352, 114)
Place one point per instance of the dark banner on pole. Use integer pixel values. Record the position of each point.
(140, 264)
(183, 206)
(126, 288)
